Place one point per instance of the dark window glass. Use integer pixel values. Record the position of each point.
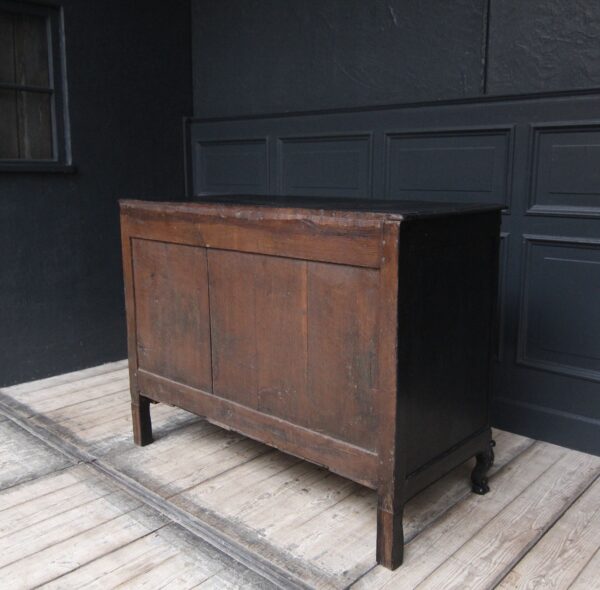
(27, 95)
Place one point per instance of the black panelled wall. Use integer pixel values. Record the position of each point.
(494, 102)
(129, 85)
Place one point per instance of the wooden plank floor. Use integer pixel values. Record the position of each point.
(538, 527)
(64, 526)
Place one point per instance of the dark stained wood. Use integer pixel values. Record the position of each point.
(444, 356)
(352, 207)
(141, 420)
(390, 537)
(358, 338)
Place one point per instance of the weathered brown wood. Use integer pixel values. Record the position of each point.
(345, 459)
(343, 374)
(391, 492)
(259, 328)
(171, 313)
(359, 340)
(343, 239)
(127, 253)
(281, 338)
(233, 325)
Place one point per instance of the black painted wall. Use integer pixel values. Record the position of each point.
(268, 55)
(131, 72)
(265, 56)
(543, 45)
(491, 101)
(129, 85)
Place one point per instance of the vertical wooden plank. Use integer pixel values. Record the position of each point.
(342, 351)
(259, 325)
(392, 433)
(127, 256)
(171, 294)
(233, 325)
(268, 314)
(281, 334)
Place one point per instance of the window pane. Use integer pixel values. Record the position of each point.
(9, 138)
(34, 110)
(27, 124)
(7, 47)
(31, 50)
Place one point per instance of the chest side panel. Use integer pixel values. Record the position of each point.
(448, 274)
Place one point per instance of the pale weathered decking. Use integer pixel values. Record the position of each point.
(92, 510)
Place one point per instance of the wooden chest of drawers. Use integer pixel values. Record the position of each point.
(354, 334)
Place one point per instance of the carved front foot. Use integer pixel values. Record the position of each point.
(479, 474)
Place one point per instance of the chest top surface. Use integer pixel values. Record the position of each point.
(380, 208)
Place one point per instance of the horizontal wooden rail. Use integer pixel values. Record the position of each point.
(342, 458)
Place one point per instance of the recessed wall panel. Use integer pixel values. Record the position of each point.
(559, 327)
(338, 166)
(231, 167)
(459, 166)
(566, 171)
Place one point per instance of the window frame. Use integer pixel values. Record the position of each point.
(57, 88)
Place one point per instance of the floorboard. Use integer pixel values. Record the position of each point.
(23, 457)
(485, 558)
(73, 528)
(563, 552)
(589, 576)
(538, 527)
(75, 376)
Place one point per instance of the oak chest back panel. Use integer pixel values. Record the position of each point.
(291, 338)
(353, 334)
